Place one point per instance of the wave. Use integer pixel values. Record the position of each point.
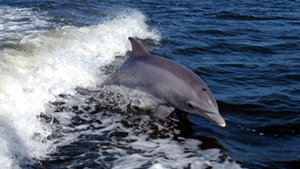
(48, 114)
(15, 23)
(236, 16)
(44, 64)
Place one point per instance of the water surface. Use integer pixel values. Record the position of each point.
(54, 54)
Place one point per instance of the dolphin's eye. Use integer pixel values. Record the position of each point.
(204, 89)
(190, 105)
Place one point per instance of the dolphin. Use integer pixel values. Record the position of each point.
(173, 85)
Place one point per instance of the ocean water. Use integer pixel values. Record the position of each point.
(55, 54)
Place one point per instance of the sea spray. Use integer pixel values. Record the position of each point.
(43, 65)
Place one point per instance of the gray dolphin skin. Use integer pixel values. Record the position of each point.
(173, 85)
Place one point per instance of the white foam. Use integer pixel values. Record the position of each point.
(140, 147)
(46, 64)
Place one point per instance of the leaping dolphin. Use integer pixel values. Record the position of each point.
(173, 85)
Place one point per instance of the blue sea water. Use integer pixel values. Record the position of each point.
(54, 54)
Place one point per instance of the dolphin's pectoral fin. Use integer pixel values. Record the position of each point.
(163, 111)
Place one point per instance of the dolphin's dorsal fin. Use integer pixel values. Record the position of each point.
(137, 48)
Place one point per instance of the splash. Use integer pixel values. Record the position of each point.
(45, 64)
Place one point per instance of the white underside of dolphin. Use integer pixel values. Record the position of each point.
(173, 85)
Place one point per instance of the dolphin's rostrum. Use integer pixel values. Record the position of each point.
(173, 85)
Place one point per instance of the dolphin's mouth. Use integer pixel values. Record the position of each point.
(221, 124)
(215, 118)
